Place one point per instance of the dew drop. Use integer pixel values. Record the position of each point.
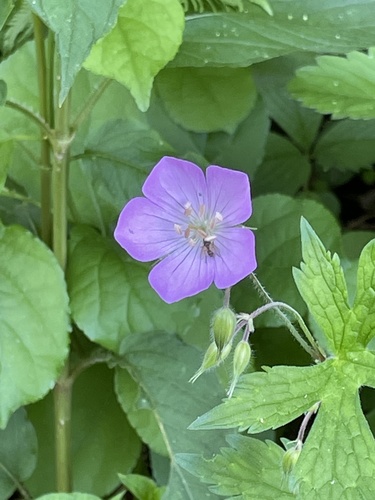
(335, 83)
(305, 17)
(224, 25)
(205, 61)
(208, 47)
(217, 33)
(334, 103)
(261, 420)
(290, 17)
(337, 36)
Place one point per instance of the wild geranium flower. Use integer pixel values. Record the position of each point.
(191, 224)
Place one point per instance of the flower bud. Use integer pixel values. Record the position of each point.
(223, 325)
(290, 458)
(210, 359)
(241, 359)
(225, 352)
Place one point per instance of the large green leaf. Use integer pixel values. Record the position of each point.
(18, 449)
(145, 38)
(111, 297)
(321, 283)
(162, 365)
(33, 318)
(260, 478)
(77, 25)
(339, 86)
(207, 99)
(271, 77)
(347, 145)
(241, 39)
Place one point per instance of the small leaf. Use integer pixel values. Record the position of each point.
(142, 487)
(33, 320)
(202, 99)
(322, 285)
(364, 305)
(267, 400)
(77, 26)
(250, 470)
(146, 37)
(18, 449)
(339, 86)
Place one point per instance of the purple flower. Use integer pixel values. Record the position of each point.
(191, 223)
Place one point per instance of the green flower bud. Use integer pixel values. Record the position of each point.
(225, 352)
(241, 359)
(223, 325)
(209, 361)
(290, 458)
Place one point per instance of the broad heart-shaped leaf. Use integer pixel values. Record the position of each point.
(364, 304)
(33, 320)
(207, 99)
(142, 487)
(162, 365)
(277, 219)
(321, 283)
(248, 470)
(18, 449)
(103, 441)
(343, 87)
(111, 297)
(145, 38)
(271, 77)
(347, 145)
(78, 24)
(242, 39)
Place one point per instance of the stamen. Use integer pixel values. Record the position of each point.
(188, 210)
(218, 217)
(202, 210)
(178, 229)
(187, 232)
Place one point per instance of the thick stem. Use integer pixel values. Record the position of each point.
(45, 171)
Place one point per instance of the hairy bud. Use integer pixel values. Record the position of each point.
(290, 458)
(209, 361)
(241, 359)
(223, 325)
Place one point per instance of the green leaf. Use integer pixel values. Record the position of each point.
(110, 294)
(103, 442)
(15, 28)
(322, 285)
(242, 39)
(6, 7)
(33, 320)
(6, 152)
(277, 219)
(18, 449)
(207, 99)
(162, 365)
(343, 87)
(146, 37)
(68, 496)
(347, 145)
(269, 399)
(249, 470)
(3, 92)
(142, 487)
(77, 26)
(271, 77)
(284, 168)
(364, 304)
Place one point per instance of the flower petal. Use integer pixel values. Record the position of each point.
(229, 194)
(145, 231)
(172, 183)
(236, 256)
(182, 274)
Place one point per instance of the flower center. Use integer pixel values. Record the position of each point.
(201, 228)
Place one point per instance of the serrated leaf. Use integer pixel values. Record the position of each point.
(364, 304)
(33, 319)
(207, 99)
(321, 283)
(249, 470)
(162, 365)
(242, 39)
(271, 77)
(267, 400)
(77, 25)
(18, 450)
(142, 487)
(146, 37)
(343, 87)
(110, 294)
(292, 168)
(347, 145)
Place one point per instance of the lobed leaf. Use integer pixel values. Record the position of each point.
(161, 365)
(33, 320)
(343, 87)
(267, 400)
(146, 37)
(77, 24)
(322, 285)
(249, 470)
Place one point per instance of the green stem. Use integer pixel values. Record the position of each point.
(22, 490)
(45, 172)
(33, 116)
(89, 105)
